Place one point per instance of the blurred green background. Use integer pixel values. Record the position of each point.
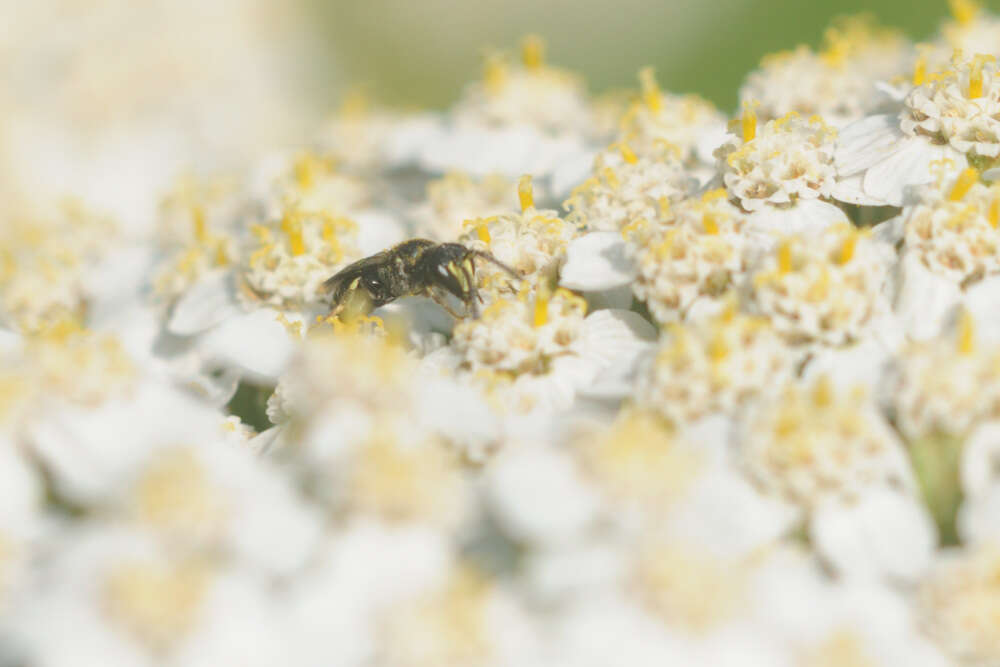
(420, 52)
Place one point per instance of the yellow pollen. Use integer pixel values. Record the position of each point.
(525, 193)
(650, 89)
(533, 51)
(541, 314)
(785, 257)
(976, 76)
(483, 232)
(963, 184)
(292, 227)
(920, 71)
(495, 73)
(964, 11)
(221, 256)
(994, 212)
(718, 349)
(627, 154)
(966, 334)
(611, 177)
(709, 223)
(200, 227)
(664, 203)
(847, 249)
(748, 122)
(823, 392)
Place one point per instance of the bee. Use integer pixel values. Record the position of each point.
(418, 267)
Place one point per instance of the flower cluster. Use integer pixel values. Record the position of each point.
(720, 392)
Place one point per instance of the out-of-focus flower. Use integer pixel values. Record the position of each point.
(836, 83)
(714, 366)
(834, 456)
(949, 244)
(958, 603)
(827, 289)
(458, 197)
(658, 121)
(527, 117)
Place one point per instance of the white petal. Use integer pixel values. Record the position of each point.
(851, 191)
(570, 172)
(982, 301)
(807, 218)
(910, 165)
(886, 534)
(539, 496)
(866, 142)
(207, 303)
(889, 231)
(980, 467)
(377, 230)
(409, 136)
(596, 261)
(615, 337)
(924, 299)
(859, 365)
(979, 518)
(255, 343)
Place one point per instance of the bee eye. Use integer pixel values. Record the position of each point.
(372, 284)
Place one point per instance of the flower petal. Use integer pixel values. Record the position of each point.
(596, 261)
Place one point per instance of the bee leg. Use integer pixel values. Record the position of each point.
(444, 304)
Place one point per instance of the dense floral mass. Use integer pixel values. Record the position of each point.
(702, 391)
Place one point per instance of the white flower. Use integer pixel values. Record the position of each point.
(782, 173)
(532, 242)
(46, 257)
(625, 187)
(946, 124)
(692, 259)
(458, 197)
(529, 118)
(837, 83)
(661, 121)
(945, 385)
(536, 350)
(714, 366)
(958, 604)
(828, 289)
(832, 454)
(467, 621)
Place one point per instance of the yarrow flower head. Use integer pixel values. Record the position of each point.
(812, 443)
(838, 82)
(952, 229)
(713, 366)
(457, 197)
(295, 255)
(959, 601)
(640, 459)
(956, 107)
(787, 160)
(530, 93)
(824, 290)
(945, 385)
(532, 242)
(626, 187)
(45, 257)
(659, 121)
(693, 252)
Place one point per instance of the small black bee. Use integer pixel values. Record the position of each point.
(417, 267)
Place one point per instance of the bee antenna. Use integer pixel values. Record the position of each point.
(490, 258)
